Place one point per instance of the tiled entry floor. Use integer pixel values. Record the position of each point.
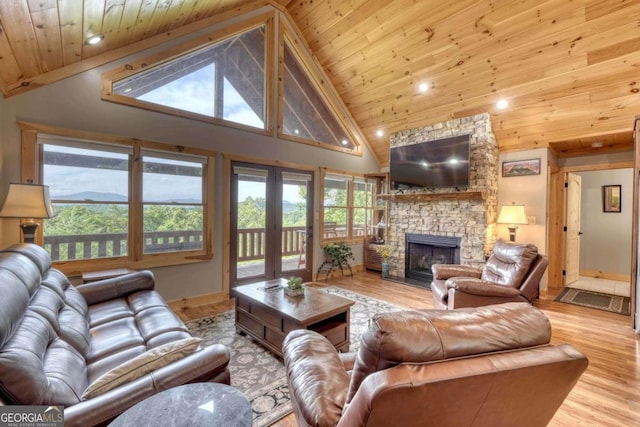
(602, 285)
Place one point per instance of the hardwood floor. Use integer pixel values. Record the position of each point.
(608, 393)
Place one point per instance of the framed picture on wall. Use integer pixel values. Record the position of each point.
(521, 168)
(612, 198)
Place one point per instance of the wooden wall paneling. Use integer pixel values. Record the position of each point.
(182, 15)
(17, 26)
(555, 225)
(127, 24)
(91, 25)
(113, 14)
(597, 8)
(141, 30)
(9, 68)
(44, 16)
(635, 228)
(70, 16)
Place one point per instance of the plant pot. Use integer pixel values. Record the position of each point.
(294, 292)
(385, 270)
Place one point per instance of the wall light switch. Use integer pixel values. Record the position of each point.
(531, 219)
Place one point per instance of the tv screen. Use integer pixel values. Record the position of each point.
(439, 163)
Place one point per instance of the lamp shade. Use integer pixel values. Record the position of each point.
(27, 201)
(512, 214)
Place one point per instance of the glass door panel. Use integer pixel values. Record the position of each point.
(271, 223)
(250, 222)
(296, 224)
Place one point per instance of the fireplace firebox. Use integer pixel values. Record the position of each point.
(424, 250)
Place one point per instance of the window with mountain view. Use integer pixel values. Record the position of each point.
(172, 220)
(92, 186)
(89, 188)
(225, 80)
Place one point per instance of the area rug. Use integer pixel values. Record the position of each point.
(259, 374)
(606, 302)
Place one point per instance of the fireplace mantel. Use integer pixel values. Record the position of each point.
(414, 197)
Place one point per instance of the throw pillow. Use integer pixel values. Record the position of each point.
(141, 365)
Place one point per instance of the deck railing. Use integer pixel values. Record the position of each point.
(250, 243)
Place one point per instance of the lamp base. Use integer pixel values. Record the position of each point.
(29, 231)
(512, 234)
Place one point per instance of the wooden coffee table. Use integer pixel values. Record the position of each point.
(268, 315)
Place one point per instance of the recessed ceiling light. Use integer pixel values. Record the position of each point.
(94, 39)
(502, 104)
(423, 87)
(345, 142)
(296, 131)
(380, 132)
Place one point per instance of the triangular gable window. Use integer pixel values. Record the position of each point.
(225, 80)
(230, 80)
(305, 114)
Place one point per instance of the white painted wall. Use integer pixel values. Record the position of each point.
(528, 190)
(606, 243)
(75, 103)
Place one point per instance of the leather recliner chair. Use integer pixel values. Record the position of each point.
(488, 366)
(512, 274)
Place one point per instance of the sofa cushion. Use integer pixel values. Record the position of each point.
(143, 364)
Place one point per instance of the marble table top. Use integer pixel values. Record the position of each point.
(190, 405)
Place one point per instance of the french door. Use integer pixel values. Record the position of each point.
(271, 223)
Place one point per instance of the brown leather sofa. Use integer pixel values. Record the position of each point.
(512, 274)
(488, 366)
(56, 339)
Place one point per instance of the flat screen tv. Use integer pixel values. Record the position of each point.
(431, 164)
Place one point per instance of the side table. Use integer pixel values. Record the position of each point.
(190, 405)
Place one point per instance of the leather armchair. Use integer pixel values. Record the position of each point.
(488, 366)
(512, 274)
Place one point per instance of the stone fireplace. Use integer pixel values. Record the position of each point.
(467, 215)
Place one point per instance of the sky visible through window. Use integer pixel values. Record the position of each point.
(195, 92)
(67, 182)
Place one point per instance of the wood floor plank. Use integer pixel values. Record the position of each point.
(608, 393)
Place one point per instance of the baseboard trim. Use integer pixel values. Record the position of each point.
(197, 301)
(605, 275)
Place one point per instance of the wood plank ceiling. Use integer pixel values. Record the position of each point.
(569, 69)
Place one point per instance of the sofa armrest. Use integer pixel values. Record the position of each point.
(117, 287)
(480, 288)
(318, 381)
(446, 271)
(203, 365)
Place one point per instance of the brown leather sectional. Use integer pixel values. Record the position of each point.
(55, 339)
(488, 366)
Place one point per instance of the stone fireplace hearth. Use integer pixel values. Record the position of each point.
(467, 214)
(425, 250)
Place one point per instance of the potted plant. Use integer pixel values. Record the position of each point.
(338, 254)
(385, 252)
(294, 286)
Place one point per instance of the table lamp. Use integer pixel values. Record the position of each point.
(512, 215)
(29, 201)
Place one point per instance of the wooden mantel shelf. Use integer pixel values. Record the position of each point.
(415, 197)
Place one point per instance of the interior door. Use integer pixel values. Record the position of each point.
(271, 222)
(572, 232)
